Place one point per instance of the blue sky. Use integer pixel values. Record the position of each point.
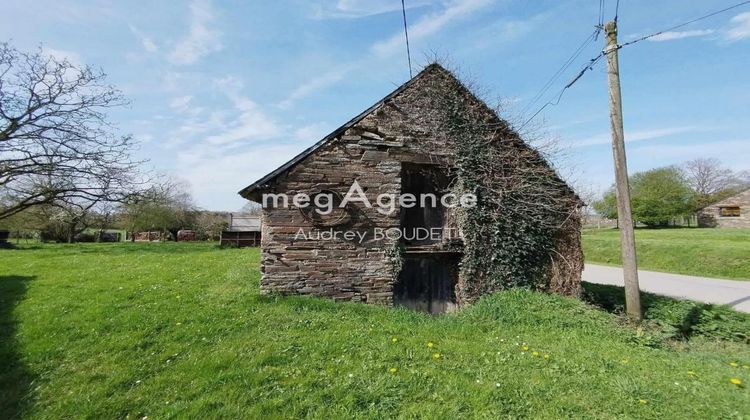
(222, 92)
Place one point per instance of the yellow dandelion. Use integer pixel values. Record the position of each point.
(733, 364)
(525, 348)
(429, 344)
(691, 373)
(736, 381)
(535, 354)
(394, 339)
(436, 356)
(393, 370)
(546, 356)
(643, 401)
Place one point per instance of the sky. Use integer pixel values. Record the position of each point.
(222, 92)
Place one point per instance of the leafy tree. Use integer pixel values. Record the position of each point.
(607, 206)
(167, 208)
(660, 195)
(657, 196)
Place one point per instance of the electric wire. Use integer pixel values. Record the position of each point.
(561, 70)
(643, 38)
(590, 65)
(617, 10)
(406, 35)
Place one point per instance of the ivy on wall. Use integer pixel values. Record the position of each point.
(523, 232)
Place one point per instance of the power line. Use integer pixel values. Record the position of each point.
(589, 66)
(539, 95)
(643, 38)
(406, 34)
(561, 70)
(617, 10)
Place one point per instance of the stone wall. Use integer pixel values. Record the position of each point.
(711, 217)
(296, 260)
(371, 153)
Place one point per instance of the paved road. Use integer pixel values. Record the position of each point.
(704, 289)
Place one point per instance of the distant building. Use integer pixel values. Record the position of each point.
(732, 212)
(243, 230)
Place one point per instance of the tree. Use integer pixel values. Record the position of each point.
(607, 206)
(660, 195)
(706, 176)
(210, 224)
(252, 208)
(711, 181)
(56, 144)
(166, 207)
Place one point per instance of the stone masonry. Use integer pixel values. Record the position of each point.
(370, 149)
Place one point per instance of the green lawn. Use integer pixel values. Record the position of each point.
(723, 253)
(161, 330)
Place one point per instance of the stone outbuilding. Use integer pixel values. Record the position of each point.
(732, 212)
(361, 253)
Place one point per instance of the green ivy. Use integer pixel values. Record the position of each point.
(507, 242)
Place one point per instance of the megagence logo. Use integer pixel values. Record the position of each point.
(324, 203)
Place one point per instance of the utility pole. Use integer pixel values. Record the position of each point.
(624, 215)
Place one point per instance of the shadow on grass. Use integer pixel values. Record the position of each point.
(15, 380)
(675, 318)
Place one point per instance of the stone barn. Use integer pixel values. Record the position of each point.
(732, 212)
(410, 249)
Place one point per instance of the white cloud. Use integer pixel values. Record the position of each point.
(429, 25)
(739, 27)
(181, 103)
(672, 35)
(148, 44)
(61, 55)
(239, 124)
(634, 136)
(349, 9)
(250, 124)
(454, 9)
(201, 39)
(217, 175)
(733, 153)
(315, 84)
(312, 132)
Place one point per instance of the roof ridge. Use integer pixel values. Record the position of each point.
(335, 133)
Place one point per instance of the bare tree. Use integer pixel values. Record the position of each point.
(210, 224)
(252, 208)
(712, 181)
(56, 143)
(707, 176)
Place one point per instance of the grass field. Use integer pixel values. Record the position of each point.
(723, 253)
(160, 330)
